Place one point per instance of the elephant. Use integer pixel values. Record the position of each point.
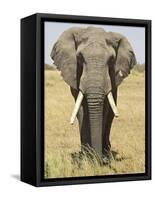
(94, 62)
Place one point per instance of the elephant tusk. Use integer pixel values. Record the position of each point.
(76, 107)
(112, 104)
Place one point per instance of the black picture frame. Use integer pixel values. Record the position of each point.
(32, 99)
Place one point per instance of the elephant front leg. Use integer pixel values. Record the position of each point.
(108, 117)
(83, 121)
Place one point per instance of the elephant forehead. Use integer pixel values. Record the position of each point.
(93, 48)
(89, 33)
(91, 40)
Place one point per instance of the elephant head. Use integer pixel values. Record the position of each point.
(94, 62)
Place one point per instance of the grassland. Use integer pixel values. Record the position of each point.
(62, 139)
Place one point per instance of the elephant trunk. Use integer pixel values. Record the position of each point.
(95, 110)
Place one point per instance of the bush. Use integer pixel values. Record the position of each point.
(140, 67)
(49, 67)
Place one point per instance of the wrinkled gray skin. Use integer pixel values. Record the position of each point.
(90, 60)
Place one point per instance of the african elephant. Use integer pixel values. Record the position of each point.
(93, 63)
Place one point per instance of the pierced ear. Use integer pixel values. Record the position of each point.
(125, 60)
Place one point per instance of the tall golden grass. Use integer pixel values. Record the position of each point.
(62, 139)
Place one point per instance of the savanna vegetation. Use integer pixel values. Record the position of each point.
(62, 141)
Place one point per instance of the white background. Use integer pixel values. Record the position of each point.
(10, 14)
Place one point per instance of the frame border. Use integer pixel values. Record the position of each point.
(40, 19)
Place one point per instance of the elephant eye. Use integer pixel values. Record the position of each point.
(80, 58)
(111, 60)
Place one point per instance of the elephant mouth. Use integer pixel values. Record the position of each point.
(79, 101)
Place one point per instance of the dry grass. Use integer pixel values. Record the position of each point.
(62, 139)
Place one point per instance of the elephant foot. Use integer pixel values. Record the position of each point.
(106, 160)
(110, 155)
(89, 154)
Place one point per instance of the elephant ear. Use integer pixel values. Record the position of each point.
(125, 57)
(64, 56)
